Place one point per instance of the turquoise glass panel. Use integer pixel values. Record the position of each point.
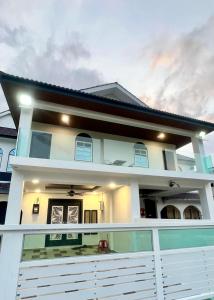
(35, 246)
(186, 238)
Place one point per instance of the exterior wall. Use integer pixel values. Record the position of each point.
(6, 145)
(89, 202)
(115, 147)
(6, 121)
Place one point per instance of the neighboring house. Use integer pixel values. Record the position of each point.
(7, 150)
(91, 170)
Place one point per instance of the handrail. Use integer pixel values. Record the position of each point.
(105, 227)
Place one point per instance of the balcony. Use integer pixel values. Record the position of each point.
(94, 148)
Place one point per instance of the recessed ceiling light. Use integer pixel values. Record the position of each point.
(202, 134)
(112, 185)
(161, 136)
(65, 119)
(35, 181)
(25, 99)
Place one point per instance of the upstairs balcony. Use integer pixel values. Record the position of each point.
(88, 148)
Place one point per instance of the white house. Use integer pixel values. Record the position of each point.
(91, 172)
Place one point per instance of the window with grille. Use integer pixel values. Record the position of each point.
(83, 150)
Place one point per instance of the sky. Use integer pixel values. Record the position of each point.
(161, 51)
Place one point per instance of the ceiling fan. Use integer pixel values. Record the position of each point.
(72, 193)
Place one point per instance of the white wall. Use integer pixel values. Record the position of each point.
(6, 145)
(115, 147)
(6, 120)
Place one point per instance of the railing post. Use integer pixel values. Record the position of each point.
(10, 257)
(158, 270)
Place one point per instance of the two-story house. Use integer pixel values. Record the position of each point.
(90, 168)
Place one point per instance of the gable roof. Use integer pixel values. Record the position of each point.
(116, 91)
(12, 85)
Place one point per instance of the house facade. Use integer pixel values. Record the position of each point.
(94, 170)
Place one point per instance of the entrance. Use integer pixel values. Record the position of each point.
(64, 211)
(150, 208)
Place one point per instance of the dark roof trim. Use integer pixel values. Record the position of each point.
(8, 133)
(107, 101)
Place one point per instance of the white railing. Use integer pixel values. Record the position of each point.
(155, 275)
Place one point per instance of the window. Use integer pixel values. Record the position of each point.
(141, 155)
(192, 212)
(83, 150)
(1, 155)
(40, 145)
(11, 153)
(169, 159)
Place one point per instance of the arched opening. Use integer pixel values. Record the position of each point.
(3, 209)
(83, 147)
(170, 212)
(192, 212)
(141, 155)
(11, 154)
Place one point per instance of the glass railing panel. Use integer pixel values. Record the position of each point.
(186, 238)
(112, 152)
(41, 246)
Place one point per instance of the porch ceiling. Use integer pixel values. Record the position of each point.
(50, 117)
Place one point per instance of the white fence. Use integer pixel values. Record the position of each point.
(155, 275)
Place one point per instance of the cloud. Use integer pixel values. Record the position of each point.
(180, 75)
(62, 62)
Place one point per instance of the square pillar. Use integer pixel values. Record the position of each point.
(24, 134)
(199, 153)
(135, 201)
(207, 202)
(15, 198)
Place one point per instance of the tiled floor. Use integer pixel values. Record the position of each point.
(57, 252)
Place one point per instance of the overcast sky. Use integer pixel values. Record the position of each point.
(162, 51)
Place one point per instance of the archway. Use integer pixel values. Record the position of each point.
(192, 212)
(170, 212)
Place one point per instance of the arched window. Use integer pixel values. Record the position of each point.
(170, 212)
(141, 155)
(1, 155)
(83, 149)
(192, 212)
(11, 153)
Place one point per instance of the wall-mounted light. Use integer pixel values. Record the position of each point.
(25, 100)
(161, 136)
(35, 210)
(65, 119)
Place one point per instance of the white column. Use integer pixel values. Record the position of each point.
(10, 258)
(135, 201)
(207, 202)
(24, 134)
(198, 149)
(15, 198)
